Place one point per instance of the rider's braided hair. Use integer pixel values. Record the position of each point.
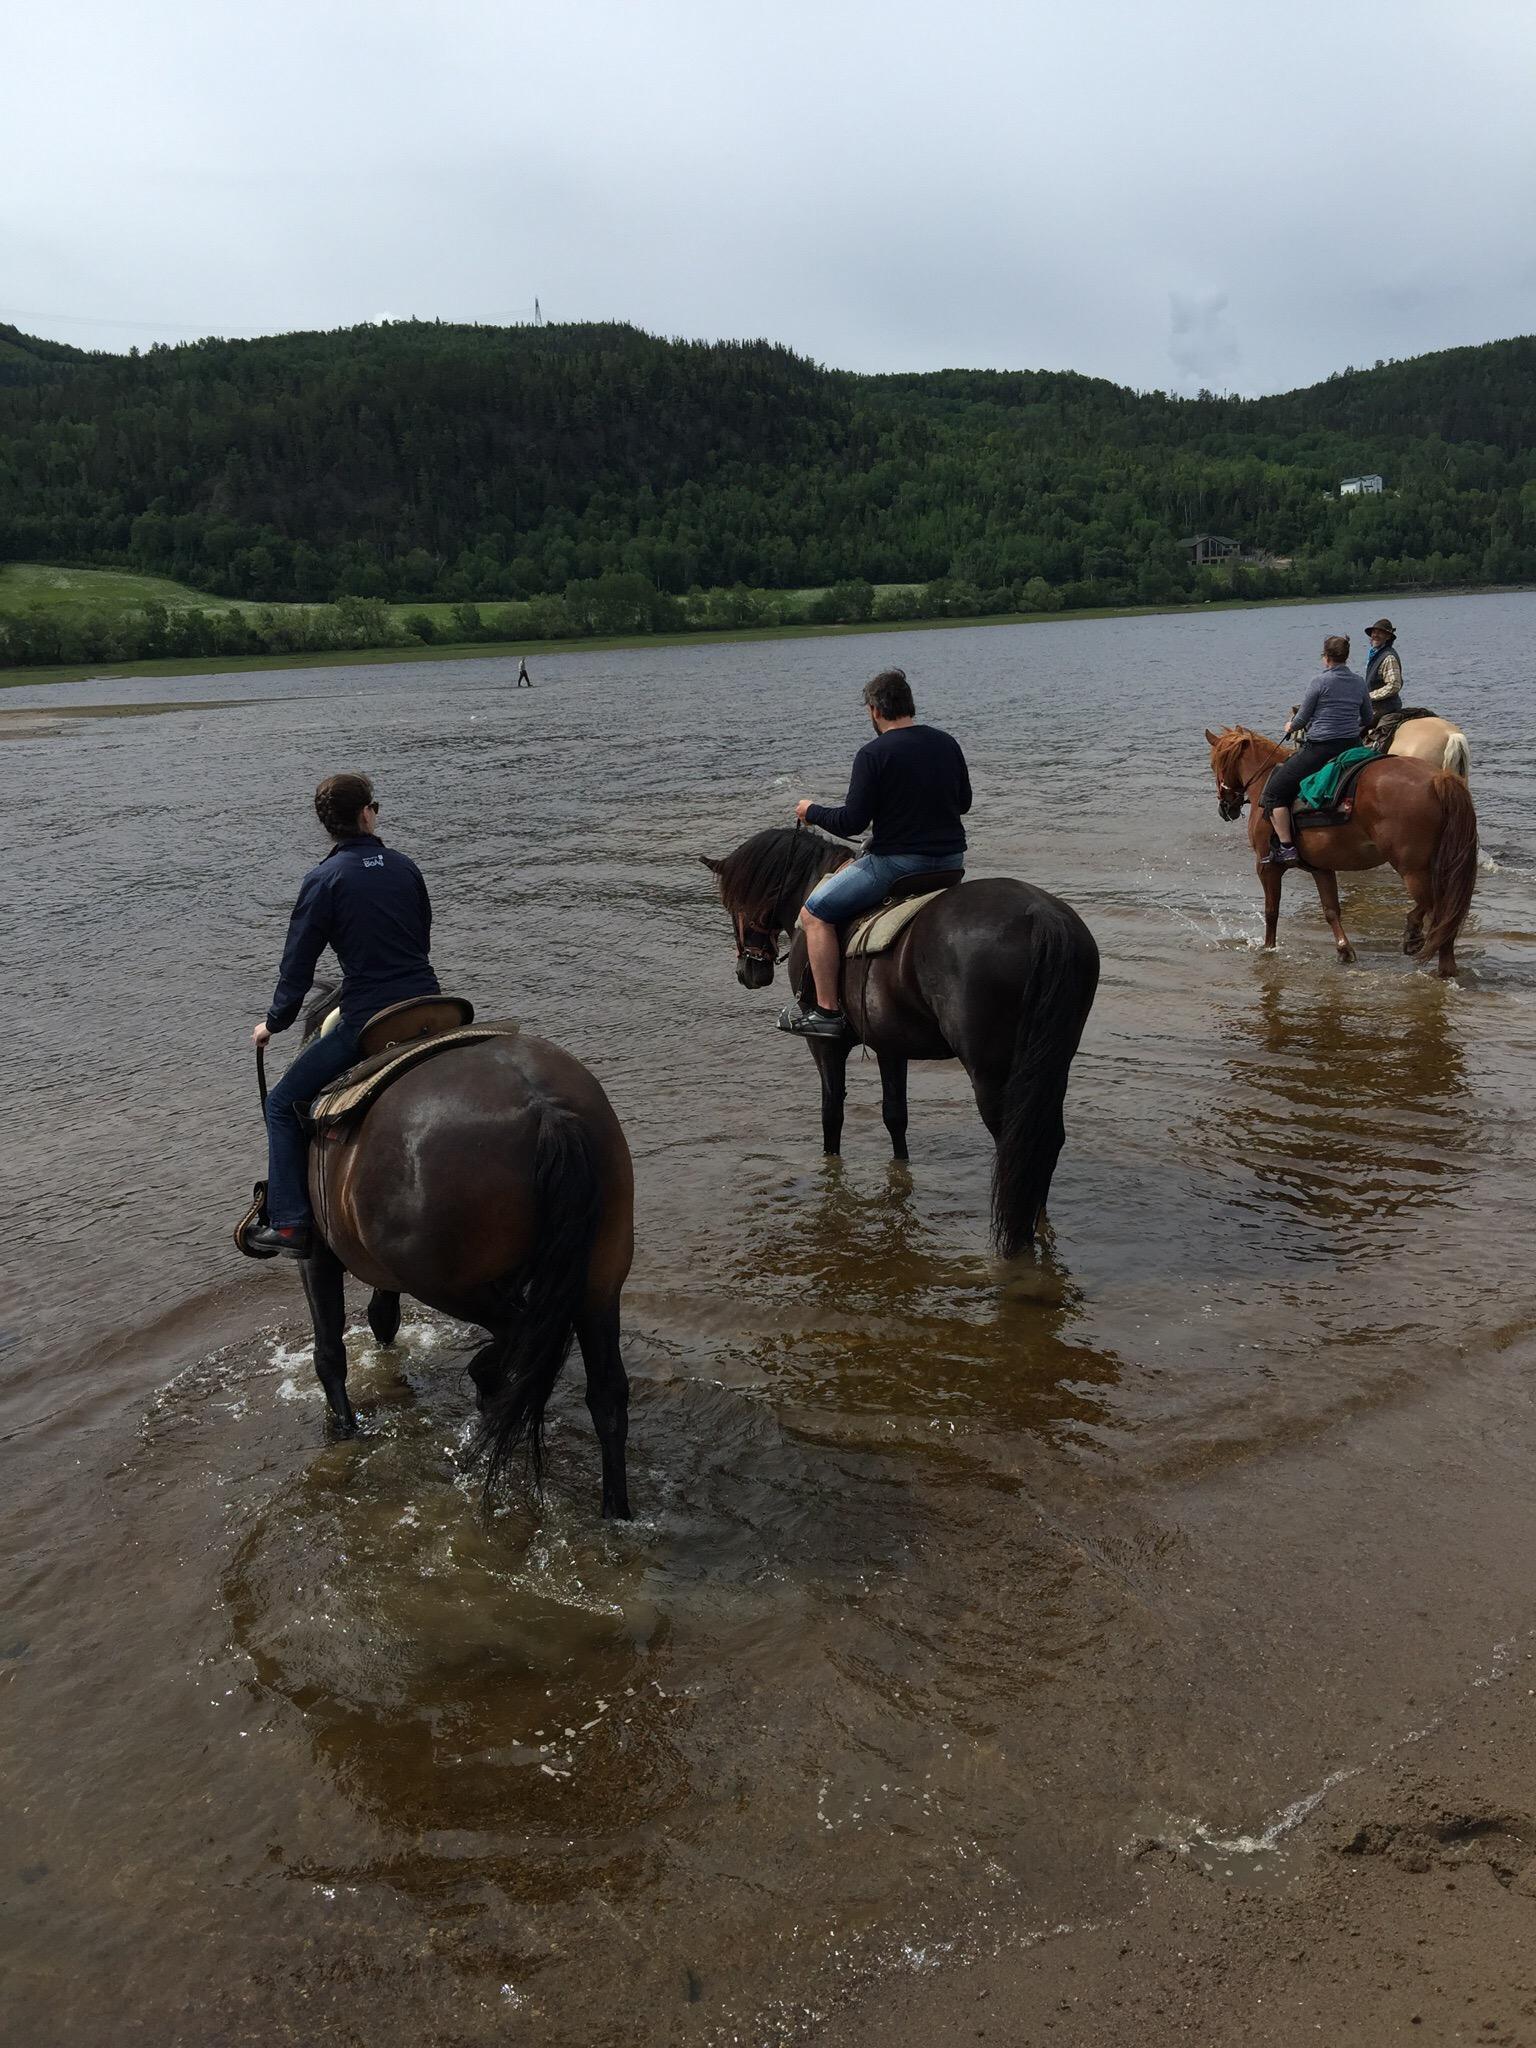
(340, 801)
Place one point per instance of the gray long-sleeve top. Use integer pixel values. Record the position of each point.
(1337, 706)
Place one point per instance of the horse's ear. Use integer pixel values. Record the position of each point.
(715, 866)
(1213, 737)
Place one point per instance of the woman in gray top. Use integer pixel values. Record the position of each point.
(1335, 711)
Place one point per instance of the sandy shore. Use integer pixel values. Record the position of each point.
(1405, 1910)
(31, 725)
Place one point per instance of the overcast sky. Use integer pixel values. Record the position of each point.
(1230, 194)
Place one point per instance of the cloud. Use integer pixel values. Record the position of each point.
(1201, 346)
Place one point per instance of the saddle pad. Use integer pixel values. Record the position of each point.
(882, 927)
(351, 1094)
(1327, 784)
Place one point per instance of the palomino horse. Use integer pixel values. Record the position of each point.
(996, 974)
(1418, 818)
(491, 1181)
(1421, 736)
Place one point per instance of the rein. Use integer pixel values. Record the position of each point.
(1231, 796)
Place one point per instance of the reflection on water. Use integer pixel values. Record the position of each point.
(944, 1573)
(875, 1316)
(1349, 1105)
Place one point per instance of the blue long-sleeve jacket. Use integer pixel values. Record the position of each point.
(369, 904)
(912, 785)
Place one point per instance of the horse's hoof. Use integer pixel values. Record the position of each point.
(341, 1427)
(1346, 956)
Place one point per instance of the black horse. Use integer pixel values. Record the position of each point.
(492, 1182)
(996, 974)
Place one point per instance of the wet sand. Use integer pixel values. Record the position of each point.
(47, 723)
(1406, 1912)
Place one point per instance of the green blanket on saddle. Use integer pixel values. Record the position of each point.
(1320, 788)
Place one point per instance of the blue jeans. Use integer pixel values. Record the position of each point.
(287, 1140)
(867, 881)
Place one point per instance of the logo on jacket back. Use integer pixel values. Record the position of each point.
(373, 860)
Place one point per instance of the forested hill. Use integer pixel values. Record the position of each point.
(425, 460)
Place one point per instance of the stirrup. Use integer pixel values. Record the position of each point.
(253, 1219)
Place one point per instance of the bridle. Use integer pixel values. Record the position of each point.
(753, 943)
(1231, 796)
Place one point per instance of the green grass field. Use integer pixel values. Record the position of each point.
(26, 585)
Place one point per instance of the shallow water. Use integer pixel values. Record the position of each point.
(948, 1585)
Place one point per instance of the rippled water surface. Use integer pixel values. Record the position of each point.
(948, 1586)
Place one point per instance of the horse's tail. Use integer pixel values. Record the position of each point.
(1053, 1008)
(1457, 760)
(567, 1202)
(1453, 871)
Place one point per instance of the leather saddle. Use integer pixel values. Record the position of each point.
(878, 929)
(1342, 809)
(393, 1040)
(421, 1017)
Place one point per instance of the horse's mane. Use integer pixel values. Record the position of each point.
(769, 876)
(1227, 752)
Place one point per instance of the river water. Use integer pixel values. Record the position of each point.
(948, 1589)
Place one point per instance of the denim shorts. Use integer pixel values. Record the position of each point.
(867, 881)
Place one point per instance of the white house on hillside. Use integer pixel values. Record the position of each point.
(1361, 486)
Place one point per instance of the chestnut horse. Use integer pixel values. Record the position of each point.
(1418, 818)
(996, 974)
(491, 1181)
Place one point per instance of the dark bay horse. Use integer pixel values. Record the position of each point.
(1407, 813)
(493, 1182)
(996, 974)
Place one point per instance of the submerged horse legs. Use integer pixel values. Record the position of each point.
(488, 1370)
(324, 1278)
(1328, 895)
(384, 1315)
(1420, 888)
(1271, 878)
(597, 1331)
(831, 1057)
(893, 1100)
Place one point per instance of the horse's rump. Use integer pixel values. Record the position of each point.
(431, 1191)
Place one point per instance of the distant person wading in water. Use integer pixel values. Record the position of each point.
(1335, 710)
(524, 680)
(370, 905)
(911, 783)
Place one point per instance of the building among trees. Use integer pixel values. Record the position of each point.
(1206, 548)
(1361, 487)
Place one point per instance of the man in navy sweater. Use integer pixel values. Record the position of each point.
(370, 905)
(911, 783)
